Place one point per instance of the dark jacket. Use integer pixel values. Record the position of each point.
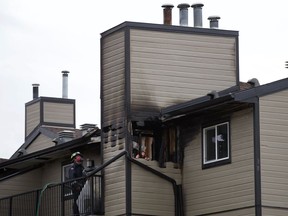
(76, 171)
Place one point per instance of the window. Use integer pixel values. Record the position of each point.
(216, 145)
(65, 177)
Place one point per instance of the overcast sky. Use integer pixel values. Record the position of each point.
(41, 38)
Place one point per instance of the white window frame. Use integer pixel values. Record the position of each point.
(205, 161)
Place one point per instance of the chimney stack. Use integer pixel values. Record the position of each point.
(183, 14)
(35, 91)
(214, 21)
(167, 14)
(65, 84)
(197, 14)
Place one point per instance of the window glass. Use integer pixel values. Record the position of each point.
(216, 143)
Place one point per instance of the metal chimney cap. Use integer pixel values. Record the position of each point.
(214, 17)
(183, 5)
(197, 5)
(168, 5)
(35, 84)
(65, 72)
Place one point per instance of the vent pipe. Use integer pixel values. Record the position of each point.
(183, 14)
(65, 84)
(214, 21)
(167, 14)
(35, 90)
(197, 14)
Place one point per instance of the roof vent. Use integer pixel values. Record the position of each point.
(183, 14)
(254, 82)
(65, 84)
(167, 14)
(197, 14)
(213, 94)
(65, 136)
(86, 128)
(214, 23)
(35, 90)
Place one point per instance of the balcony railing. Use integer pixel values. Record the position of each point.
(56, 200)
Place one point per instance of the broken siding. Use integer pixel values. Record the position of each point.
(32, 117)
(274, 151)
(41, 142)
(113, 77)
(227, 187)
(168, 68)
(58, 113)
(113, 106)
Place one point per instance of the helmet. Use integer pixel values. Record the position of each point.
(75, 154)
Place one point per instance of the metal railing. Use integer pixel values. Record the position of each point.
(57, 200)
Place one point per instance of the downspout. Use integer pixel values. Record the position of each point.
(257, 159)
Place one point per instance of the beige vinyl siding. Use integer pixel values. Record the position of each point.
(151, 194)
(41, 142)
(274, 149)
(52, 172)
(21, 183)
(169, 67)
(239, 212)
(226, 187)
(113, 78)
(115, 188)
(58, 113)
(32, 117)
(274, 212)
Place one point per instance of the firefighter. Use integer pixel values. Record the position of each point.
(76, 171)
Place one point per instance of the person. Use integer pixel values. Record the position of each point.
(75, 172)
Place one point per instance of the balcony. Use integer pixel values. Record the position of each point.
(56, 200)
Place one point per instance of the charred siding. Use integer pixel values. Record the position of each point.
(113, 106)
(169, 67)
(274, 151)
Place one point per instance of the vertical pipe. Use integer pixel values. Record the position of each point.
(197, 14)
(65, 84)
(214, 21)
(183, 14)
(167, 14)
(35, 90)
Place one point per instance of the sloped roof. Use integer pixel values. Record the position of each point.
(51, 153)
(240, 95)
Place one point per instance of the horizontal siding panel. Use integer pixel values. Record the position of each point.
(239, 212)
(113, 77)
(274, 211)
(21, 183)
(221, 188)
(165, 63)
(274, 149)
(32, 117)
(150, 193)
(40, 143)
(58, 113)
